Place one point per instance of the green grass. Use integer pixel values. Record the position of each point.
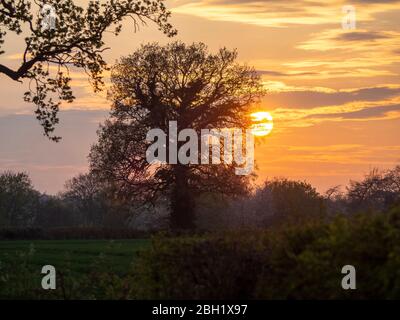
(80, 256)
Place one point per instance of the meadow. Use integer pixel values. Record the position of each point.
(80, 254)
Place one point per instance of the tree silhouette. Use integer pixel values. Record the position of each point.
(18, 199)
(182, 83)
(76, 40)
(378, 191)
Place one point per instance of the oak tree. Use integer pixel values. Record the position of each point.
(182, 83)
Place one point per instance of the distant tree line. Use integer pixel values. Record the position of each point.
(89, 202)
(83, 203)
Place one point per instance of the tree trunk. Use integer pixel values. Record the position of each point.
(182, 202)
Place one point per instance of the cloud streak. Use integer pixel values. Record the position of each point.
(275, 13)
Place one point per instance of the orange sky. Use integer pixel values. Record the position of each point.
(334, 94)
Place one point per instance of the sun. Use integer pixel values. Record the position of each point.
(263, 123)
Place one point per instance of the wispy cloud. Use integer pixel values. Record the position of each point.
(275, 13)
(312, 97)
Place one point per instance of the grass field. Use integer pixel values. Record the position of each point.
(80, 256)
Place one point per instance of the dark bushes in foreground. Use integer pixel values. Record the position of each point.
(199, 268)
(302, 262)
(298, 262)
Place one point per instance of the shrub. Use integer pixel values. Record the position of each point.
(204, 267)
(292, 262)
(296, 262)
(313, 259)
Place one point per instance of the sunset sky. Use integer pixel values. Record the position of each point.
(334, 94)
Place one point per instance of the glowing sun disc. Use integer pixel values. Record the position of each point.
(263, 123)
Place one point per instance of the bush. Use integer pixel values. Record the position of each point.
(297, 262)
(198, 268)
(307, 262)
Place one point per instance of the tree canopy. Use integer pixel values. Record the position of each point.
(182, 83)
(18, 199)
(378, 191)
(75, 41)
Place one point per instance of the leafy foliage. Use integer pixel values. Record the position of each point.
(294, 262)
(75, 42)
(18, 200)
(291, 262)
(183, 83)
(293, 202)
(378, 191)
